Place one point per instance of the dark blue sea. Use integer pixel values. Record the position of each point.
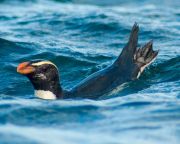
(82, 37)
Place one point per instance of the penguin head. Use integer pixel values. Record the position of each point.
(38, 70)
(43, 75)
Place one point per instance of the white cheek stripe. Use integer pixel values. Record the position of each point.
(45, 94)
(42, 63)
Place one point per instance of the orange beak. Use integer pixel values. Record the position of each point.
(25, 68)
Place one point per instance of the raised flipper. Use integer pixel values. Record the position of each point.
(133, 61)
(129, 50)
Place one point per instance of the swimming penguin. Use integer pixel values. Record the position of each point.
(130, 64)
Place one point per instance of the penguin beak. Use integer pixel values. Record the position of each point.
(25, 68)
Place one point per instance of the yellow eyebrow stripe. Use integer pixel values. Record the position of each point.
(42, 63)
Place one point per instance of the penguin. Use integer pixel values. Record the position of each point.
(128, 66)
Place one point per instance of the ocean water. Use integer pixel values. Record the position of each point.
(81, 37)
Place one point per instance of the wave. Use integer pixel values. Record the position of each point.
(8, 46)
(166, 71)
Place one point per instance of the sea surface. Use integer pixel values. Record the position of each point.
(82, 37)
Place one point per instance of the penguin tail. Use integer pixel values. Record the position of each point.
(133, 60)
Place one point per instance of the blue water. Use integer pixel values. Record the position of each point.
(81, 37)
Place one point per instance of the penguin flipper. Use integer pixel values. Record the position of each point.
(129, 50)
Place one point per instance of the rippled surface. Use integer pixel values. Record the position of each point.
(82, 37)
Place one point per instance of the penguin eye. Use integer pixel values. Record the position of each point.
(43, 68)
